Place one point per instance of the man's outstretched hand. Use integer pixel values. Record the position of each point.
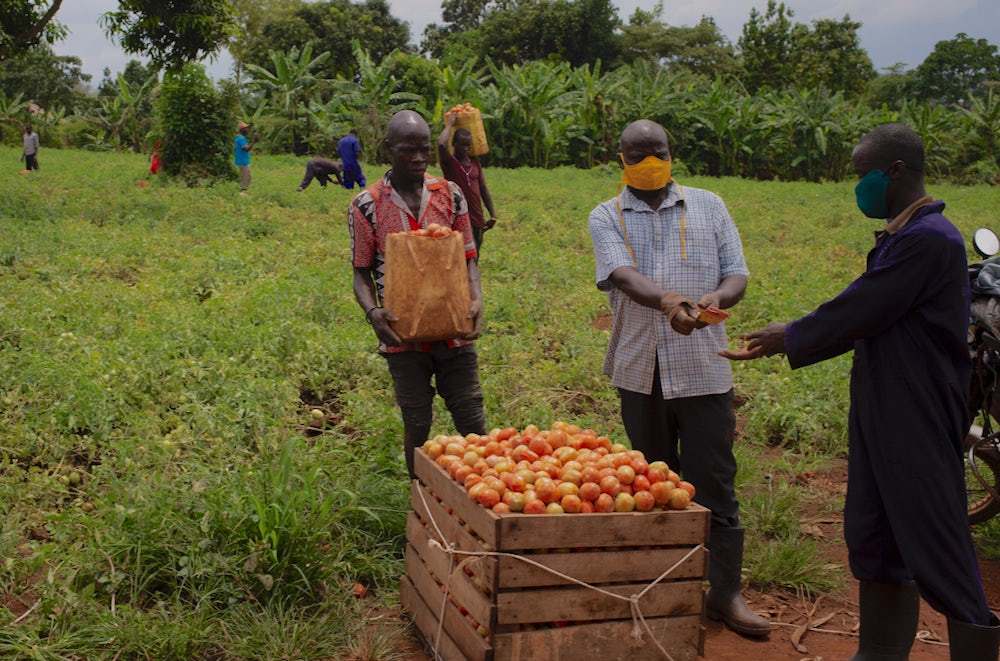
(768, 341)
(743, 353)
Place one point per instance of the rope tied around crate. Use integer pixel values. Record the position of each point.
(639, 623)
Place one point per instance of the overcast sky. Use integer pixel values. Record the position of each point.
(893, 31)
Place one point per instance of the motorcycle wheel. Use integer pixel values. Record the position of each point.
(982, 506)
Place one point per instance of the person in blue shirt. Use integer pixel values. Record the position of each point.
(241, 154)
(350, 151)
(906, 319)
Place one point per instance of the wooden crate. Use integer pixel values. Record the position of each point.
(528, 613)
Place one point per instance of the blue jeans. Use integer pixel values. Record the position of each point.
(455, 373)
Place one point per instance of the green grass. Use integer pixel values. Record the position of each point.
(165, 345)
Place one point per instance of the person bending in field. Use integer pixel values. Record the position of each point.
(906, 319)
(350, 157)
(320, 169)
(408, 198)
(467, 172)
(664, 252)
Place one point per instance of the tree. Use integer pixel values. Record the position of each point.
(47, 79)
(135, 74)
(957, 69)
(170, 32)
(26, 23)
(891, 88)
(251, 16)
(699, 49)
(577, 32)
(417, 75)
(459, 16)
(331, 26)
(830, 55)
(196, 145)
(766, 48)
(370, 99)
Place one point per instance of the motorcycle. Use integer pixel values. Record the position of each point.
(982, 443)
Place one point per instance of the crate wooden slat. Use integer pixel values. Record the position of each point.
(591, 567)
(459, 630)
(479, 606)
(425, 619)
(594, 567)
(680, 636)
(573, 604)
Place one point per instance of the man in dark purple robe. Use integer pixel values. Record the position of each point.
(906, 319)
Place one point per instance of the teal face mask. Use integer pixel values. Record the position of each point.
(870, 194)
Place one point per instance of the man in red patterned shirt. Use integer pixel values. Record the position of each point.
(408, 198)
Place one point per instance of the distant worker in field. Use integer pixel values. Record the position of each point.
(906, 319)
(30, 154)
(350, 158)
(665, 253)
(155, 160)
(241, 154)
(320, 169)
(467, 172)
(407, 198)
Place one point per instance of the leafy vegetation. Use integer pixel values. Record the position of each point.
(557, 80)
(165, 496)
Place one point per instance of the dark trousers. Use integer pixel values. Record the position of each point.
(314, 172)
(455, 375)
(905, 515)
(694, 435)
(352, 176)
(31, 161)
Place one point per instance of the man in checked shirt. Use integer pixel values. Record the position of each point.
(665, 253)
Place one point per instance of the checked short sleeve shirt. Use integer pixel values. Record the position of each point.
(691, 263)
(379, 211)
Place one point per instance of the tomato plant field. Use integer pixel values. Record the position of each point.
(200, 455)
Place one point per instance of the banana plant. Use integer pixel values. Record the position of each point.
(532, 107)
(982, 121)
(124, 119)
(936, 126)
(287, 89)
(370, 100)
(462, 85)
(13, 110)
(594, 131)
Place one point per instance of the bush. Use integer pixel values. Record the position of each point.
(73, 131)
(197, 122)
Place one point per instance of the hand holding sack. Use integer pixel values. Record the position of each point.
(427, 285)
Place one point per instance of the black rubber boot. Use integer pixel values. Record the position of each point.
(889, 613)
(973, 642)
(724, 602)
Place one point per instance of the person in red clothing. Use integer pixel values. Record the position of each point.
(408, 198)
(467, 172)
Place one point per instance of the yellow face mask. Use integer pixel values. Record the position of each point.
(651, 173)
